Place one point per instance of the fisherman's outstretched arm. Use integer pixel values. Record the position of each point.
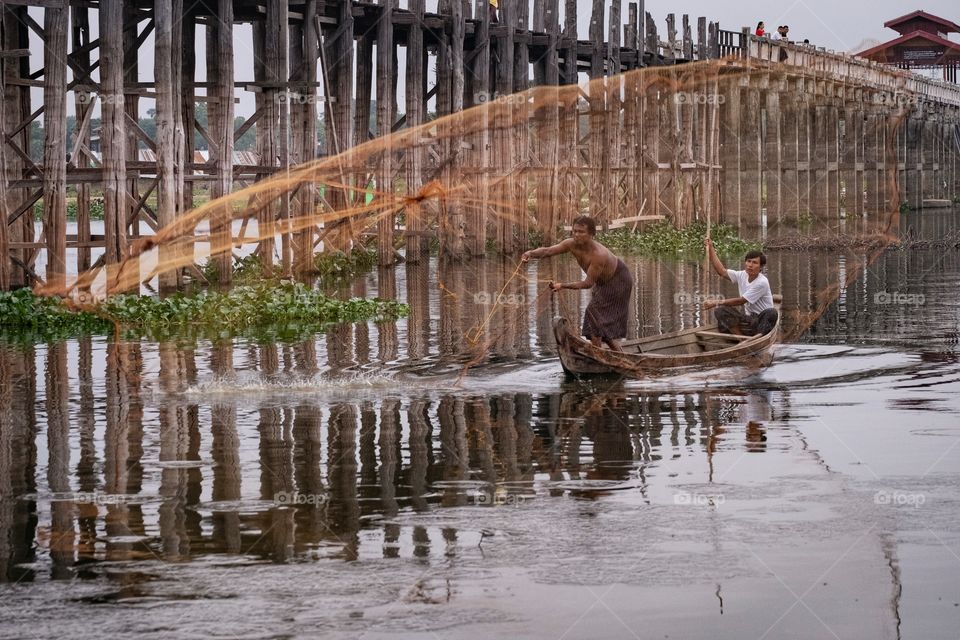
(545, 252)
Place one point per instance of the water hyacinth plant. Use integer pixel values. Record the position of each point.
(285, 311)
(663, 239)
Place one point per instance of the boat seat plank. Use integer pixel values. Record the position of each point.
(725, 336)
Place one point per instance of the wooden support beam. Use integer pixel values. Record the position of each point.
(169, 146)
(84, 105)
(5, 263)
(16, 104)
(385, 116)
(113, 130)
(55, 144)
(416, 112)
(188, 62)
(138, 132)
(220, 61)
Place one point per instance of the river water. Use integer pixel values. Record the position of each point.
(438, 476)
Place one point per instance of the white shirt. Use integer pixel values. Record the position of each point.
(756, 293)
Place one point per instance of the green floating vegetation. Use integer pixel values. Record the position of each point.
(330, 267)
(30, 318)
(337, 265)
(662, 238)
(284, 311)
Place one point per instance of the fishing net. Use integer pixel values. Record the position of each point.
(708, 141)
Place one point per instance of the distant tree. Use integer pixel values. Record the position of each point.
(248, 141)
(36, 141)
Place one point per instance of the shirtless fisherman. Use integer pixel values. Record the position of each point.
(606, 317)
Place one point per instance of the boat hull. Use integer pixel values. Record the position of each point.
(698, 347)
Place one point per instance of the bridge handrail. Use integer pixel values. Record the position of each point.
(839, 66)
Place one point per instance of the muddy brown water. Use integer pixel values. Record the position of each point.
(367, 484)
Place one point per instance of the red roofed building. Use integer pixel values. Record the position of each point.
(922, 44)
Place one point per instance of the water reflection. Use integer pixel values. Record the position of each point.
(181, 477)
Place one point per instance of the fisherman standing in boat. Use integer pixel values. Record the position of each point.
(605, 320)
(758, 316)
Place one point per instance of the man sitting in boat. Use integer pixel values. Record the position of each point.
(605, 320)
(758, 315)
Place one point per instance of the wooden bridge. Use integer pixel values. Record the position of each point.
(768, 135)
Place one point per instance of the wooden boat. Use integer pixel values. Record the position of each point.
(694, 347)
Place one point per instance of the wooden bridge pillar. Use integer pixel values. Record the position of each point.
(687, 93)
(113, 130)
(874, 156)
(415, 113)
(833, 152)
(338, 72)
(851, 156)
(790, 153)
(569, 144)
(80, 149)
(668, 134)
(953, 146)
(612, 125)
(170, 145)
(773, 161)
(805, 113)
(55, 143)
(751, 156)
(304, 40)
(819, 158)
(521, 147)
(929, 185)
(913, 153)
(220, 130)
(650, 124)
(547, 118)
(730, 152)
(16, 108)
(386, 99)
(598, 105)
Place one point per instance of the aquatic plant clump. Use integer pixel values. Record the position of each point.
(282, 311)
(26, 317)
(662, 238)
(328, 266)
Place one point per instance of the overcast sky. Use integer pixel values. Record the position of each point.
(835, 24)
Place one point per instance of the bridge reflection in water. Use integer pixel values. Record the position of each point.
(127, 465)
